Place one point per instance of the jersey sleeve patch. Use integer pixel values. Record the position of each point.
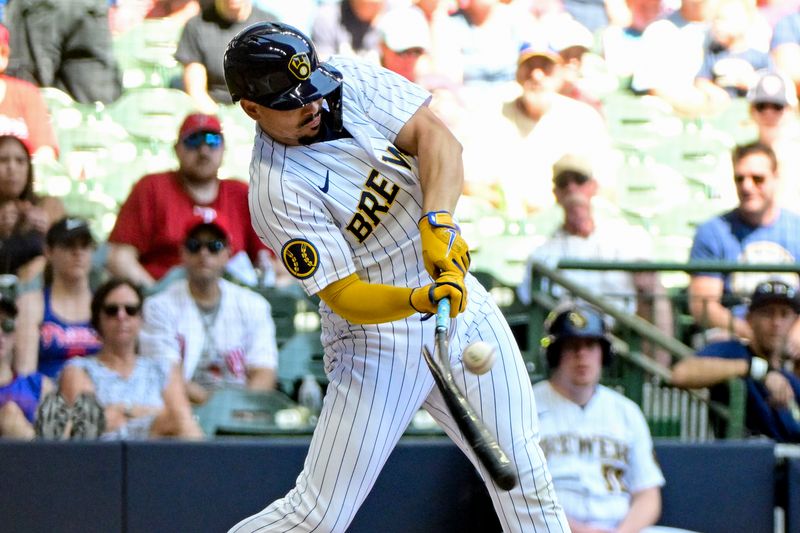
(300, 258)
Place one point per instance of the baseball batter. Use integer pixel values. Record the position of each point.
(353, 180)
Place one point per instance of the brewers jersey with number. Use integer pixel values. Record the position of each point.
(598, 454)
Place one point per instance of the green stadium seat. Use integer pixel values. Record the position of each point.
(146, 53)
(638, 122)
(152, 113)
(243, 412)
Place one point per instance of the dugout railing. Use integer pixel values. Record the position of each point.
(671, 412)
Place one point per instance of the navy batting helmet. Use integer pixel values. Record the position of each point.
(570, 323)
(276, 65)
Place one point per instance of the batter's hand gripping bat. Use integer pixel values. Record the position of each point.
(483, 443)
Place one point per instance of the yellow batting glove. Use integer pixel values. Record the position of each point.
(443, 248)
(448, 285)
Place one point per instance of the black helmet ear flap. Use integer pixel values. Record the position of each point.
(334, 98)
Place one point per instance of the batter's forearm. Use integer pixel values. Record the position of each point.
(441, 169)
(367, 303)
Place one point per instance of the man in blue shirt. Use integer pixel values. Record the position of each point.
(758, 230)
(772, 390)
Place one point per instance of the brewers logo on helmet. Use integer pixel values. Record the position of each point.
(275, 65)
(574, 321)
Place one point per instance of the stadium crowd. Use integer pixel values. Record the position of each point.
(637, 130)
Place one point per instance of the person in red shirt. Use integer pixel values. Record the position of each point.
(23, 112)
(147, 237)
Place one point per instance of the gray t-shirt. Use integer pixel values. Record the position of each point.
(204, 40)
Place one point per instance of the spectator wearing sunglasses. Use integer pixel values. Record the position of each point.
(772, 390)
(758, 230)
(53, 324)
(583, 236)
(118, 394)
(147, 238)
(221, 334)
(19, 394)
(773, 109)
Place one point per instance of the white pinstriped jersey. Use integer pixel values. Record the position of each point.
(598, 454)
(241, 336)
(355, 200)
(351, 205)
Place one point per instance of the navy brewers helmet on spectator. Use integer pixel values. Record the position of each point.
(276, 65)
(574, 322)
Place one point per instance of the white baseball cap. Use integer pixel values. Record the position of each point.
(404, 29)
(773, 88)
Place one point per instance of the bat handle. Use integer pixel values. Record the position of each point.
(443, 314)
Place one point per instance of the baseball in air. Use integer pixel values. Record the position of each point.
(479, 357)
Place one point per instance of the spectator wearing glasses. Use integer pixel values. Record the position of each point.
(221, 334)
(758, 230)
(149, 232)
(131, 397)
(53, 324)
(19, 394)
(582, 236)
(773, 109)
(772, 390)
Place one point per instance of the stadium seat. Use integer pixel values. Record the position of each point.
(638, 122)
(242, 412)
(152, 113)
(146, 53)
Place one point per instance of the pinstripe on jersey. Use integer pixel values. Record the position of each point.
(377, 378)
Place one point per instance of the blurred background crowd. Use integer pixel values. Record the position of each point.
(657, 131)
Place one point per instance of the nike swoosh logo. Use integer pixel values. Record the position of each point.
(452, 240)
(324, 188)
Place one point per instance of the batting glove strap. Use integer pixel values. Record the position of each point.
(440, 219)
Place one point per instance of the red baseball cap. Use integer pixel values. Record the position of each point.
(198, 122)
(210, 220)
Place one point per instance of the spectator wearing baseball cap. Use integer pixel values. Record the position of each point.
(773, 110)
(585, 236)
(528, 134)
(772, 389)
(405, 39)
(146, 241)
(23, 112)
(54, 322)
(221, 334)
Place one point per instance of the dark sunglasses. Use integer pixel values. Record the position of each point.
(565, 178)
(195, 245)
(761, 106)
(112, 310)
(758, 179)
(7, 325)
(196, 140)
